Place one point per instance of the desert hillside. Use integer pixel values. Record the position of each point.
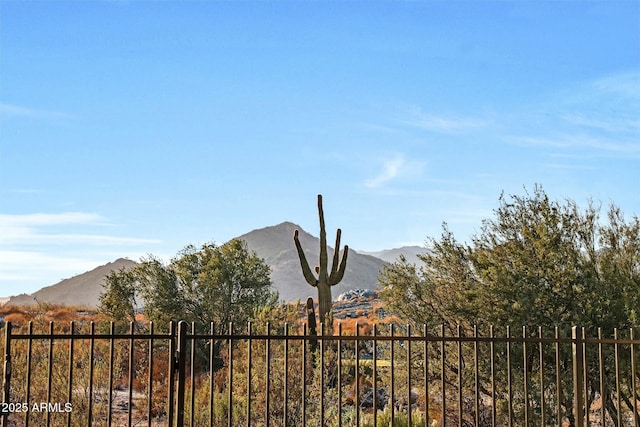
(81, 290)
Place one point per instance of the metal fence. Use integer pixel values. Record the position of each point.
(86, 374)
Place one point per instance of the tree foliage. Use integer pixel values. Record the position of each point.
(118, 301)
(536, 262)
(212, 283)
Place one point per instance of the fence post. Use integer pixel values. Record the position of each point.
(578, 376)
(7, 372)
(172, 373)
(181, 359)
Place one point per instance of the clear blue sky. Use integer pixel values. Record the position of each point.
(134, 127)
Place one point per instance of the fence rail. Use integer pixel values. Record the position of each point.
(86, 374)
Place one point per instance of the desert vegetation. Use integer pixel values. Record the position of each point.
(531, 323)
(266, 373)
(542, 263)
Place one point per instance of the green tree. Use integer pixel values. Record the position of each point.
(537, 262)
(160, 291)
(213, 283)
(223, 284)
(118, 301)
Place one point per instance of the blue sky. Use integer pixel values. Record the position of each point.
(129, 128)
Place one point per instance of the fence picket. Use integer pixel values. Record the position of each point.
(466, 378)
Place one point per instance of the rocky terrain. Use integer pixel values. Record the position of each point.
(358, 303)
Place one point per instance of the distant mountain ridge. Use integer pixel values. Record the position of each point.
(81, 290)
(274, 244)
(392, 255)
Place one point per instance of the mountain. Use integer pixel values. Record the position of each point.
(275, 245)
(81, 290)
(392, 255)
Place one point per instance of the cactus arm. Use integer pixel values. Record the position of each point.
(306, 271)
(336, 255)
(337, 276)
(322, 275)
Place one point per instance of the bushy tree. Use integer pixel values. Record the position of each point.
(537, 262)
(212, 283)
(118, 301)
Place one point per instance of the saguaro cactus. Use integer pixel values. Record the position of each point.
(324, 279)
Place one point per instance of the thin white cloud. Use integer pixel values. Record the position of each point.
(85, 239)
(30, 229)
(14, 110)
(580, 142)
(599, 117)
(11, 110)
(446, 124)
(27, 228)
(392, 168)
(569, 166)
(624, 84)
(39, 249)
(417, 118)
(40, 219)
(613, 124)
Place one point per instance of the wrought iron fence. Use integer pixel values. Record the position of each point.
(86, 374)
